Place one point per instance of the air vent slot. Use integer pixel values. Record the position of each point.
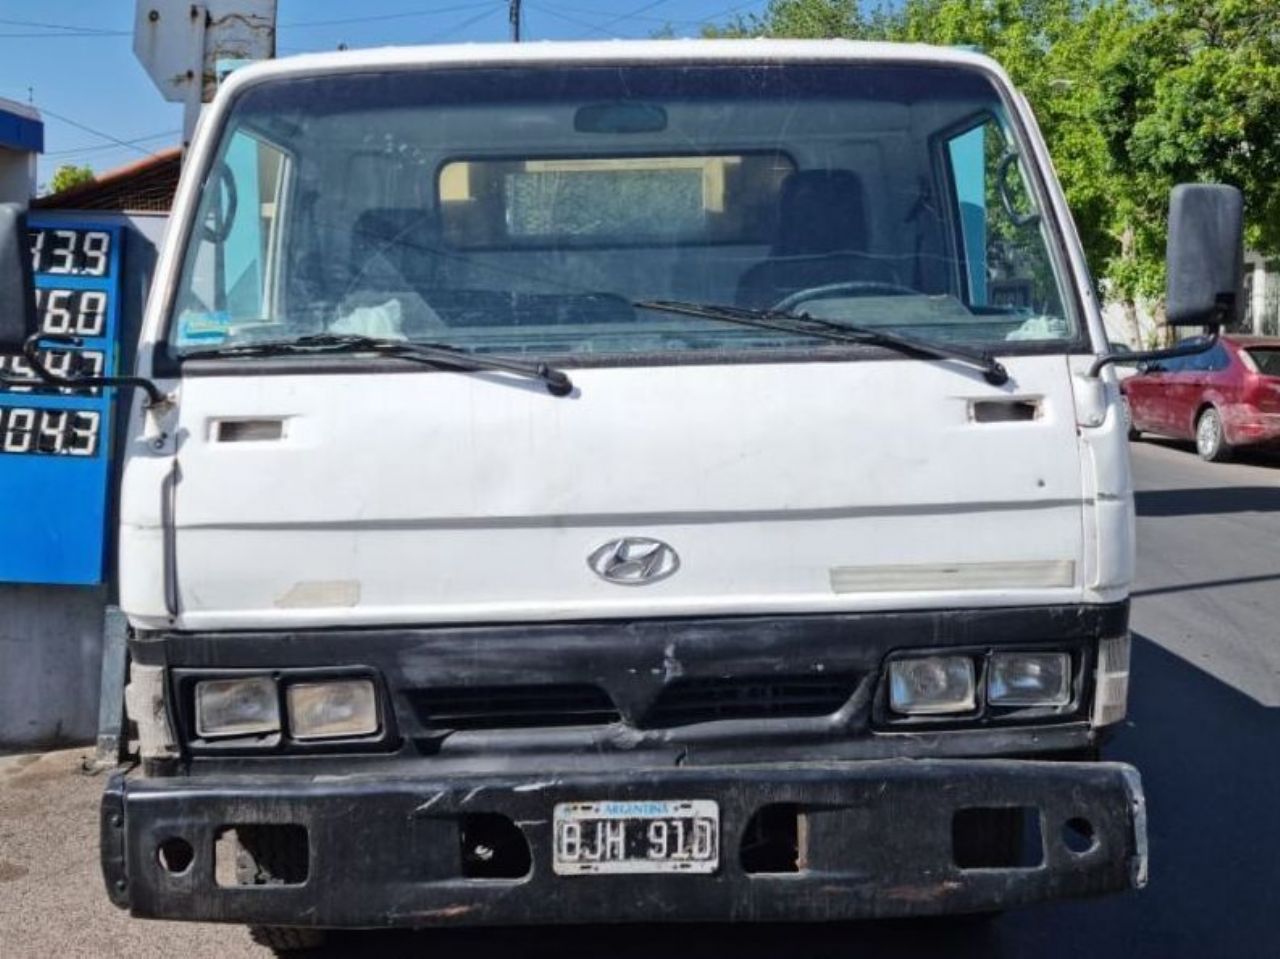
(513, 707)
(706, 699)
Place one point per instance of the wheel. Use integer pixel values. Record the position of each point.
(1211, 440)
(271, 856)
(280, 939)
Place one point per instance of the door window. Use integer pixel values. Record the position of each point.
(1005, 257)
(231, 274)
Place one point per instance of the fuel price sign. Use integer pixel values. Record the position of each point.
(55, 442)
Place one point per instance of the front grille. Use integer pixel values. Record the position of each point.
(700, 700)
(513, 707)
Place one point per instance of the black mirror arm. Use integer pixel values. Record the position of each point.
(31, 352)
(1150, 356)
(1006, 201)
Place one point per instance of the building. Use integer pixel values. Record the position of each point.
(21, 141)
(146, 186)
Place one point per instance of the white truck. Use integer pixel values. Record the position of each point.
(610, 482)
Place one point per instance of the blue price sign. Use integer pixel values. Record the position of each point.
(54, 444)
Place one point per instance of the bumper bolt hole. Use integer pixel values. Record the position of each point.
(175, 855)
(1078, 835)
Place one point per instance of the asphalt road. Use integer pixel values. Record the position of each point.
(1204, 729)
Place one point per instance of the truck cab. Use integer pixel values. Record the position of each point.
(599, 482)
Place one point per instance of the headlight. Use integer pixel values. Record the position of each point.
(333, 709)
(1029, 679)
(237, 707)
(931, 684)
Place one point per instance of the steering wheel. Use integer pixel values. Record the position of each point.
(220, 228)
(855, 287)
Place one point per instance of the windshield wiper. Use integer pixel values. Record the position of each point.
(435, 354)
(805, 325)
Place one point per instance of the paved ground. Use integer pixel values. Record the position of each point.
(1204, 729)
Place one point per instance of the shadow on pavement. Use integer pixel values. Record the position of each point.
(1207, 500)
(1265, 456)
(1208, 757)
(1205, 584)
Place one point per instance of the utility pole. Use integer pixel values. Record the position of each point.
(513, 14)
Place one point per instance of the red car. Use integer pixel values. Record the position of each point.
(1226, 397)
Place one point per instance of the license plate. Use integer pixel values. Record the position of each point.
(643, 836)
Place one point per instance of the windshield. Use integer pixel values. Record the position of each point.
(527, 210)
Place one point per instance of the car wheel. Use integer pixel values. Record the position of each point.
(1211, 440)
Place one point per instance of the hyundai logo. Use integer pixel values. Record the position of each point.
(634, 561)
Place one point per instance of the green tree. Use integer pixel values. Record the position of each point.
(1195, 97)
(69, 175)
(1133, 96)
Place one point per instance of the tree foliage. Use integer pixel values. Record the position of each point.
(1133, 96)
(68, 175)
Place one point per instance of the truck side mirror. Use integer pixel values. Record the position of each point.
(17, 291)
(1205, 255)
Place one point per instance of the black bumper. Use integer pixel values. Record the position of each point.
(875, 839)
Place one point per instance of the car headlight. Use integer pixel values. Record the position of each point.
(332, 709)
(237, 707)
(929, 685)
(1029, 679)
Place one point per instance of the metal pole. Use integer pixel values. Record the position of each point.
(513, 14)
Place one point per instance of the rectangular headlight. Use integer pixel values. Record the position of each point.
(929, 685)
(1029, 679)
(237, 707)
(332, 709)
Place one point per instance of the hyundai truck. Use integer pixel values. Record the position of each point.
(626, 481)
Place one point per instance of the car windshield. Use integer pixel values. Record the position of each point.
(1266, 360)
(527, 210)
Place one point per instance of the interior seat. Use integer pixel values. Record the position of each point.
(821, 238)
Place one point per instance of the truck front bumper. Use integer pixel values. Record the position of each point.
(873, 839)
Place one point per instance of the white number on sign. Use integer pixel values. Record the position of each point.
(63, 251)
(96, 247)
(19, 434)
(67, 432)
(57, 312)
(91, 317)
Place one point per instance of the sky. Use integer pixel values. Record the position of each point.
(73, 59)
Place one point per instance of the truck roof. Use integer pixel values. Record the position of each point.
(611, 51)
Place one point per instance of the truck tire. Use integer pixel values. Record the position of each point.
(282, 939)
(1211, 438)
(267, 857)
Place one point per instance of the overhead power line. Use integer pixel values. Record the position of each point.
(629, 16)
(45, 111)
(97, 34)
(459, 27)
(659, 20)
(404, 15)
(103, 147)
(489, 10)
(601, 28)
(62, 26)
